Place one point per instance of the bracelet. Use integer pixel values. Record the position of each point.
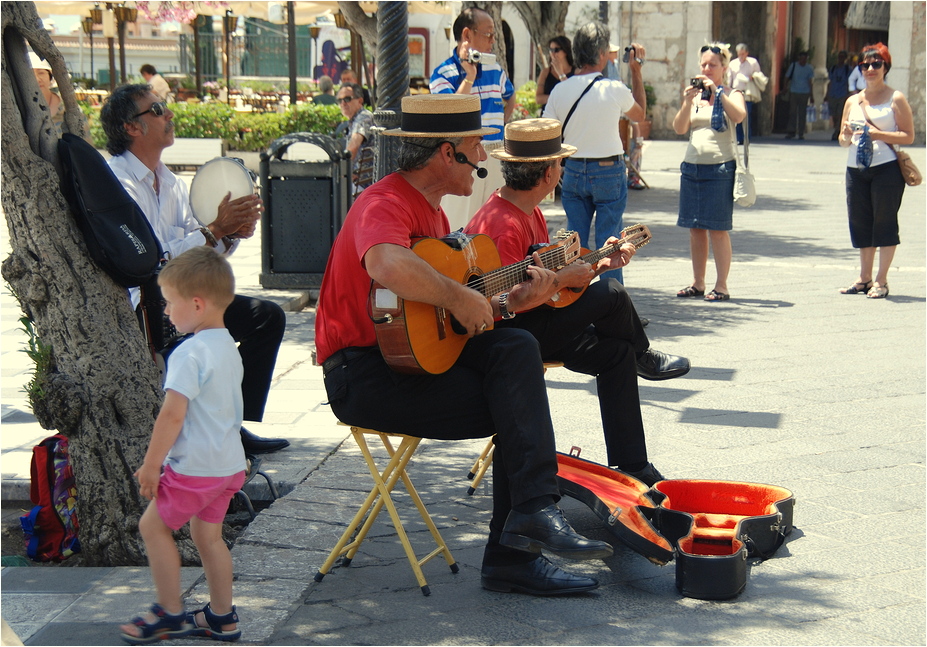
(466, 80)
(210, 238)
(563, 77)
(639, 140)
(503, 309)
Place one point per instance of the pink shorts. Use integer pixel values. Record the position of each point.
(181, 497)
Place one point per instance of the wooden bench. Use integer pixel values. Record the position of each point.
(189, 153)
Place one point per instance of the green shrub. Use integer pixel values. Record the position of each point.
(526, 106)
(242, 131)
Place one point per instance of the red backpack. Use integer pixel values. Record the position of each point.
(51, 526)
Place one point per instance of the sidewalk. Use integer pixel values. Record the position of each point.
(792, 384)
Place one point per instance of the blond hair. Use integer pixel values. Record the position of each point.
(200, 272)
(725, 51)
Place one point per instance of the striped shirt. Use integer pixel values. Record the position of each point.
(492, 86)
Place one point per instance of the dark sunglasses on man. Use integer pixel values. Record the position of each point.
(346, 99)
(158, 108)
(555, 50)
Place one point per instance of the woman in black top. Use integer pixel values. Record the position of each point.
(560, 68)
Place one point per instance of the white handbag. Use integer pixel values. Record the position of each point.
(744, 186)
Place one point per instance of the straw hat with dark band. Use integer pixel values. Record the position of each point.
(533, 140)
(441, 115)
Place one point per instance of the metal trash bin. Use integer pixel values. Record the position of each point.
(305, 203)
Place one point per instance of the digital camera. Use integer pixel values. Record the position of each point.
(628, 52)
(698, 84)
(480, 57)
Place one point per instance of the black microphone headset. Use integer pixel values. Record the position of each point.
(462, 159)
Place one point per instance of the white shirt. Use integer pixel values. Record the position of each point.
(856, 82)
(593, 128)
(168, 212)
(159, 86)
(741, 73)
(206, 369)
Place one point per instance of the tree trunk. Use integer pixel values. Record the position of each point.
(545, 21)
(104, 391)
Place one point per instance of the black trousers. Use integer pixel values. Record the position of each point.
(873, 200)
(798, 105)
(600, 334)
(257, 325)
(495, 387)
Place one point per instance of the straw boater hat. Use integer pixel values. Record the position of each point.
(533, 140)
(441, 115)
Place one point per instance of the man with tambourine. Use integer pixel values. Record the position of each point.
(138, 128)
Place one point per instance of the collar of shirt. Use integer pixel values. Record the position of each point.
(145, 175)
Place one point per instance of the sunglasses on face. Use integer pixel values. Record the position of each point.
(158, 108)
(555, 50)
(875, 65)
(563, 161)
(346, 99)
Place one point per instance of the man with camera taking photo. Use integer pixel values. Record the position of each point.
(472, 69)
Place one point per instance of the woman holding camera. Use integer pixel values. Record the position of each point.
(706, 192)
(560, 68)
(875, 185)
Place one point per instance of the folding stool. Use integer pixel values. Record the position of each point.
(484, 460)
(384, 482)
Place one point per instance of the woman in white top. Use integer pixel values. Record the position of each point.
(706, 188)
(874, 191)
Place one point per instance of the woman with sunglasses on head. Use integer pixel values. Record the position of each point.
(874, 120)
(560, 68)
(706, 192)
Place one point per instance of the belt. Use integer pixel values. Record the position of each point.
(613, 158)
(341, 357)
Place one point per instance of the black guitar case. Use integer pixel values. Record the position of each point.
(710, 527)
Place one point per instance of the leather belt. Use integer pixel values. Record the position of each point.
(613, 158)
(341, 357)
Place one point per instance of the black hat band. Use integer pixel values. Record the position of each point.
(458, 122)
(541, 148)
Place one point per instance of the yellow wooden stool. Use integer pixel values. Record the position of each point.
(384, 482)
(484, 460)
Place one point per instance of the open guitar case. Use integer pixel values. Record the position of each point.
(710, 527)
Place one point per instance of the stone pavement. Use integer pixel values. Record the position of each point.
(792, 384)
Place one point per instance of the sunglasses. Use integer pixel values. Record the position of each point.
(346, 99)
(158, 108)
(563, 161)
(555, 50)
(710, 48)
(875, 65)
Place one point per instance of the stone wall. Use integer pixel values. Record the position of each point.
(906, 41)
(672, 32)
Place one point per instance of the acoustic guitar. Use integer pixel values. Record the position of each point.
(417, 337)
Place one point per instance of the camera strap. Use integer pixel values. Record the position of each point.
(570, 113)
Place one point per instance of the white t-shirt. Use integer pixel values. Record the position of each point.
(206, 369)
(593, 128)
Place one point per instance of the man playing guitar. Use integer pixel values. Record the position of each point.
(600, 333)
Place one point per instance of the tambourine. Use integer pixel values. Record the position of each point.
(213, 181)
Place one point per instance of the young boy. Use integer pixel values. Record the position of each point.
(196, 439)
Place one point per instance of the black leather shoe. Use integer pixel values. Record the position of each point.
(537, 577)
(654, 365)
(648, 475)
(548, 530)
(257, 445)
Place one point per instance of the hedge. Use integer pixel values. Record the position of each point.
(242, 131)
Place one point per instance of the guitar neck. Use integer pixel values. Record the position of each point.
(505, 278)
(608, 250)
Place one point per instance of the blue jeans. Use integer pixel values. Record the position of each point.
(600, 189)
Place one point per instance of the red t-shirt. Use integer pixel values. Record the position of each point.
(389, 211)
(511, 229)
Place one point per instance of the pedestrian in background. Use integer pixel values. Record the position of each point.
(560, 69)
(706, 188)
(157, 82)
(595, 183)
(740, 77)
(838, 89)
(798, 83)
(875, 185)
(326, 95)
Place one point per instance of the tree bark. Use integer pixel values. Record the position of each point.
(545, 21)
(104, 393)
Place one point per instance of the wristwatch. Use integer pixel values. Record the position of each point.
(503, 310)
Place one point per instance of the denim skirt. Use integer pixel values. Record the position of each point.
(706, 196)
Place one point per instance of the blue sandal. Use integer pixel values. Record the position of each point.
(215, 622)
(167, 626)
